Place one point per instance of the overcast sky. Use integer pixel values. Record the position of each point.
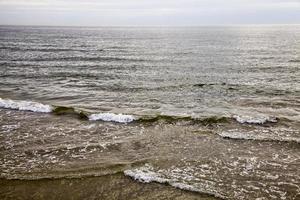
(148, 12)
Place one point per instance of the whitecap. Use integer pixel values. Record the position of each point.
(111, 117)
(25, 105)
(254, 119)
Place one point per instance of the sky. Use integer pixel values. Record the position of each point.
(148, 12)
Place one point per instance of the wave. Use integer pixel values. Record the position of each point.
(13, 48)
(254, 119)
(25, 106)
(81, 58)
(111, 117)
(147, 174)
(126, 118)
(208, 84)
(73, 173)
(174, 119)
(294, 61)
(107, 116)
(259, 136)
(62, 110)
(81, 171)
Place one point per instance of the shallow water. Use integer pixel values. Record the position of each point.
(210, 110)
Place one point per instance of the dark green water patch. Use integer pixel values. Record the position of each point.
(62, 110)
(175, 119)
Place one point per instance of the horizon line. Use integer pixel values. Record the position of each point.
(200, 25)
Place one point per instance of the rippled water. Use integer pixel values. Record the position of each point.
(213, 110)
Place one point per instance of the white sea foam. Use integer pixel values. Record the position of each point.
(254, 119)
(25, 105)
(238, 135)
(147, 174)
(111, 117)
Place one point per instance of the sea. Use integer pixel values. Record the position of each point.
(208, 112)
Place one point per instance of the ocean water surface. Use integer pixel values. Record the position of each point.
(191, 112)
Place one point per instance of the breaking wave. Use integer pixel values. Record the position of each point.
(111, 117)
(255, 120)
(62, 110)
(147, 174)
(126, 118)
(25, 106)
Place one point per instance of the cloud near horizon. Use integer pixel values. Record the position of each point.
(145, 12)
